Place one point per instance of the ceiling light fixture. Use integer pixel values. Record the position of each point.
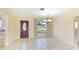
(47, 18)
(42, 9)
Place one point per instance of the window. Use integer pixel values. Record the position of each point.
(1, 23)
(41, 26)
(76, 24)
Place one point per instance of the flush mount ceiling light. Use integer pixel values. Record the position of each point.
(42, 8)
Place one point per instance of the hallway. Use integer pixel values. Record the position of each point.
(38, 44)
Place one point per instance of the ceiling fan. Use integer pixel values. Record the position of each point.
(47, 19)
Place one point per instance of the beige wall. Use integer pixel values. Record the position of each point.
(31, 26)
(50, 29)
(63, 27)
(13, 26)
(10, 24)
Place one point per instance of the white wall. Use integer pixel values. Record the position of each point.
(63, 28)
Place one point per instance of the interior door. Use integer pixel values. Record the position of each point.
(24, 29)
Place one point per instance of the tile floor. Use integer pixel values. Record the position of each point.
(38, 44)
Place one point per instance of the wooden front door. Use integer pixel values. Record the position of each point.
(24, 29)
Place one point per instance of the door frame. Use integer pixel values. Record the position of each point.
(27, 25)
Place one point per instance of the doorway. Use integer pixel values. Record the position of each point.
(24, 29)
(76, 31)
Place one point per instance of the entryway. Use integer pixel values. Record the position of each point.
(24, 29)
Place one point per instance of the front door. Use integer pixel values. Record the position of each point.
(24, 31)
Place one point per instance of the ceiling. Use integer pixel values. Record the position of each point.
(37, 11)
